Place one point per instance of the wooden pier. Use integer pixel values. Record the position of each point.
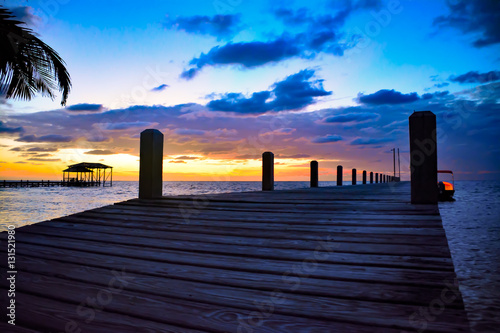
(360, 258)
(337, 259)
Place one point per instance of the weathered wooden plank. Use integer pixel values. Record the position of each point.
(186, 313)
(326, 229)
(278, 213)
(162, 224)
(331, 255)
(204, 302)
(373, 291)
(366, 208)
(190, 240)
(45, 264)
(400, 276)
(249, 216)
(44, 314)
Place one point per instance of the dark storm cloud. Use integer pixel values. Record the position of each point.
(476, 77)
(481, 17)
(293, 93)
(220, 26)
(386, 96)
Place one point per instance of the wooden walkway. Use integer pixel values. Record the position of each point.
(351, 259)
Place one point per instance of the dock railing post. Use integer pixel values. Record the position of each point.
(267, 171)
(371, 177)
(340, 175)
(314, 174)
(354, 176)
(364, 176)
(423, 158)
(151, 164)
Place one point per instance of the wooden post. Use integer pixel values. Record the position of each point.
(314, 173)
(340, 175)
(267, 171)
(364, 176)
(376, 177)
(354, 176)
(371, 177)
(423, 158)
(151, 164)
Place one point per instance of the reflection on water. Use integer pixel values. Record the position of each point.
(472, 224)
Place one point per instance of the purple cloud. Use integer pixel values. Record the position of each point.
(85, 107)
(220, 26)
(45, 138)
(187, 131)
(125, 125)
(6, 129)
(478, 17)
(386, 96)
(161, 87)
(476, 77)
(352, 117)
(293, 93)
(369, 141)
(327, 139)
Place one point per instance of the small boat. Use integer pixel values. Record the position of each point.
(446, 189)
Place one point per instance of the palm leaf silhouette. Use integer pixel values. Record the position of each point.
(27, 65)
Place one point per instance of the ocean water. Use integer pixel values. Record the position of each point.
(22, 206)
(472, 224)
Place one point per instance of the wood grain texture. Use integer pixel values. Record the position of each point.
(350, 259)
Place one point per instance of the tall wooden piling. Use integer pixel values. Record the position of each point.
(151, 164)
(364, 176)
(376, 177)
(340, 175)
(423, 158)
(314, 173)
(354, 176)
(371, 177)
(267, 171)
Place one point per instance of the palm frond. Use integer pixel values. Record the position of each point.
(27, 65)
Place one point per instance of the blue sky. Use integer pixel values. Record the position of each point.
(226, 80)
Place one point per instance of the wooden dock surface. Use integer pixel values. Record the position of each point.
(350, 259)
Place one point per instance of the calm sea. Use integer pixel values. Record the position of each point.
(472, 224)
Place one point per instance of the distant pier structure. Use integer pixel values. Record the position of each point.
(88, 174)
(80, 175)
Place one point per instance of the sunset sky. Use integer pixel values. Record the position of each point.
(226, 80)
